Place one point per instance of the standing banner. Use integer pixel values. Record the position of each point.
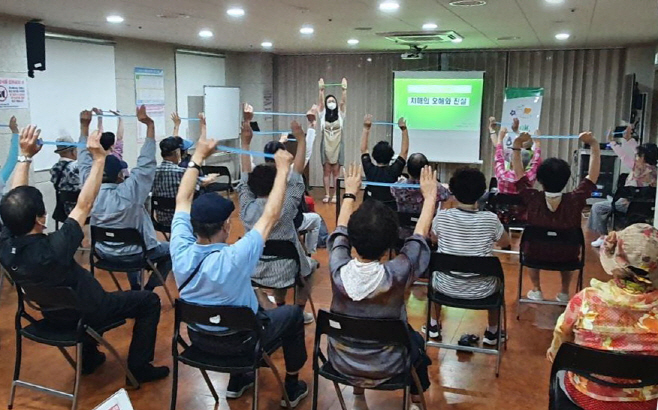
(13, 93)
(149, 91)
(524, 104)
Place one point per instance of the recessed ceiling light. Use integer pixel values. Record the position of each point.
(457, 40)
(369, 59)
(555, 1)
(205, 33)
(266, 44)
(235, 12)
(562, 36)
(430, 26)
(389, 5)
(116, 19)
(467, 3)
(307, 30)
(352, 41)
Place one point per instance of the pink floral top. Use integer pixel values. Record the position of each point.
(614, 315)
(642, 175)
(506, 177)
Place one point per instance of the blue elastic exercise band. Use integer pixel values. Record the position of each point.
(281, 114)
(134, 116)
(4, 125)
(383, 123)
(244, 152)
(62, 143)
(386, 184)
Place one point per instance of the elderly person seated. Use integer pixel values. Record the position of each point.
(366, 286)
(619, 315)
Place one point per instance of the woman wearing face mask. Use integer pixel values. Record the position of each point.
(332, 148)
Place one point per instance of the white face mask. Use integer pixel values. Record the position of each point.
(45, 222)
(331, 105)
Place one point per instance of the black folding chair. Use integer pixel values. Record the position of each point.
(641, 207)
(285, 250)
(237, 320)
(364, 333)
(120, 238)
(66, 200)
(479, 267)
(223, 172)
(60, 302)
(166, 205)
(510, 210)
(547, 238)
(592, 364)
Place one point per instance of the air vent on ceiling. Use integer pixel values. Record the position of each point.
(421, 37)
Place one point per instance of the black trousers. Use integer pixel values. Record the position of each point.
(144, 307)
(420, 361)
(284, 324)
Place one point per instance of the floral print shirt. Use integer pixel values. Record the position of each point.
(616, 315)
(410, 200)
(642, 175)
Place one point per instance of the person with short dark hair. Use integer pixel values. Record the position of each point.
(382, 170)
(641, 160)
(368, 287)
(211, 272)
(553, 209)
(410, 200)
(32, 257)
(467, 231)
(121, 204)
(111, 142)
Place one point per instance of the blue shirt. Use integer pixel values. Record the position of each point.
(225, 276)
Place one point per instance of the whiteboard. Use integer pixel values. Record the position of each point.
(78, 76)
(222, 108)
(193, 72)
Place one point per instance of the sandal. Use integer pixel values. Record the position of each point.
(333, 199)
(325, 199)
(468, 340)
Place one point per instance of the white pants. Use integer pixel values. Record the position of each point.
(311, 224)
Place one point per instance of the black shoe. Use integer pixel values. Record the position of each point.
(491, 339)
(238, 384)
(150, 373)
(296, 392)
(91, 362)
(435, 332)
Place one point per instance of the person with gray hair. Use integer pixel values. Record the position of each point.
(65, 175)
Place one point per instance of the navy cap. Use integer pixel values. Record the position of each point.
(113, 166)
(211, 208)
(169, 145)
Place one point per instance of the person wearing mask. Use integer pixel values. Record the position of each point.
(65, 176)
(332, 146)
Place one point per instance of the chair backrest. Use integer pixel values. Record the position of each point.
(478, 265)
(408, 220)
(497, 199)
(60, 300)
(493, 183)
(550, 236)
(217, 169)
(587, 362)
(352, 330)
(123, 236)
(231, 317)
(640, 212)
(161, 203)
(70, 197)
(633, 193)
(281, 249)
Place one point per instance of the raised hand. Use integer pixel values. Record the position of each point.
(175, 118)
(587, 138)
(85, 117)
(246, 135)
(94, 145)
(297, 130)
(343, 84)
(283, 160)
(117, 113)
(402, 123)
(29, 141)
(13, 125)
(536, 140)
(428, 184)
(247, 112)
(492, 124)
(502, 134)
(352, 178)
(515, 125)
(367, 121)
(97, 111)
(311, 115)
(627, 132)
(521, 140)
(283, 138)
(205, 148)
(321, 83)
(143, 117)
(202, 119)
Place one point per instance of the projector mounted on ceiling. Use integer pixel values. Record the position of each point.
(426, 38)
(416, 53)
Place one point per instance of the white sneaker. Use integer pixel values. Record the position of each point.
(414, 406)
(562, 297)
(308, 318)
(597, 243)
(535, 295)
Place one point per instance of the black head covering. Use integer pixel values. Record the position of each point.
(330, 115)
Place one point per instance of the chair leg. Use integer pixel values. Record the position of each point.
(78, 375)
(116, 282)
(254, 402)
(419, 386)
(341, 399)
(267, 359)
(112, 350)
(499, 343)
(581, 273)
(429, 316)
(520, 291)
(174, 385)
(210, 385)
(68, 357)
(17, 369)
(405, 399)
(314, 406)
(505, 322)
(162, 280)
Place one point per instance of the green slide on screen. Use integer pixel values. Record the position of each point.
(439, 104)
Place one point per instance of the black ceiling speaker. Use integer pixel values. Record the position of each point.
(35, 41)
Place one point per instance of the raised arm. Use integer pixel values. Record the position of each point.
(367, 124)
(246, 136)
(519, 169)
(321, 106)
(274, 204)
(499, 157)
(176, 119)
(343, 98)
(352, 186)
(428, 188)
(120, 127)
(91, 186)
(204, 149)
(12, 155)
(300, 155)
(29, 148)
(595, 155)
(84, 157)
(99, 118)
(404, 150)
(492, 130)
(203, 127)
(85, 120)
(138, 186)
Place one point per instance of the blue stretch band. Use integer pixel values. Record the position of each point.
(63, 143)
(4, 125)
(386, 184)
(282, 114)
(271, 132)
(134, 116)
(244, 152)
(383, 123)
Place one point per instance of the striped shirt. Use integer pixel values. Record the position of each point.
(466, 233)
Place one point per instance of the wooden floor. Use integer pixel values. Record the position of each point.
(459, 381)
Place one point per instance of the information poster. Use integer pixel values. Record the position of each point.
(13, 93)
(149, 91)
(118, 401)
(524, 104)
